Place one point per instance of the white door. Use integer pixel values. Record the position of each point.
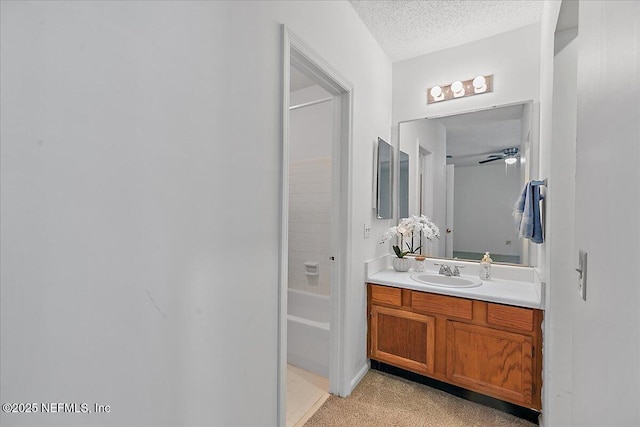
(606, 326)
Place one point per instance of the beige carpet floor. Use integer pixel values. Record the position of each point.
(386, 400)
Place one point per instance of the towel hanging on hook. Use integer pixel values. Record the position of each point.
(527, 212)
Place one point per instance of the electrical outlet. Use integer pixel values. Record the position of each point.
(582, 274)
(367, 230)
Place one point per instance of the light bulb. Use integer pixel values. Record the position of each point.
(457, 88)
(479, 84)
(436, 93)
(510, 160)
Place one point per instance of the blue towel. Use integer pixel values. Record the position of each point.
(527, 212)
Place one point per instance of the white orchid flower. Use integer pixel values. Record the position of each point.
(414, 224)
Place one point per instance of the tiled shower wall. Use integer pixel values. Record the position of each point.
(310, 223)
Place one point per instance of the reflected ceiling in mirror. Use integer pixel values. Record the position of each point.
(459, 178)
(483, 136)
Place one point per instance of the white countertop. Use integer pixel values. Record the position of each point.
(503, 291)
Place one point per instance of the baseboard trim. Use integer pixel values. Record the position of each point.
(359, 376)
(510, 408)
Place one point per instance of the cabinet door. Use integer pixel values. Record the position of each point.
(490, 361)
(403, 339)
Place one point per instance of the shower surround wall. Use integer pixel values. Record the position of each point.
(309, 224)
(310, 191)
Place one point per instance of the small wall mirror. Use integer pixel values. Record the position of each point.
(465, 172)
(385, 180)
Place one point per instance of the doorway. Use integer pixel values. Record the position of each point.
(332, 90)
(310, 265)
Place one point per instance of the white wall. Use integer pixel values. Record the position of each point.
(554, 395)
(512, 57)
(606, 327)
(529, 146)
(483, 200)
(310, 139)
(560, 201)
(131, 183)
(551, 9)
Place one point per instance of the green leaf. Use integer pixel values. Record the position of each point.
(410, 247)
(398, 252)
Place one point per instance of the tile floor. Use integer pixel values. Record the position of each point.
(306, 392)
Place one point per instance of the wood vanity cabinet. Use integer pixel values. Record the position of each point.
(493, 349)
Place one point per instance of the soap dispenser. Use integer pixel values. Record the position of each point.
(485, 267)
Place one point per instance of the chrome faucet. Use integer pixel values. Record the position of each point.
(447, 270)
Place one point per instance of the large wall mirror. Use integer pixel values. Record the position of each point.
(465, 172)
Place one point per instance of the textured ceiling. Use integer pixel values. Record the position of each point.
(406, 29)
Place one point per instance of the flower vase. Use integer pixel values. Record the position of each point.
(401, 264)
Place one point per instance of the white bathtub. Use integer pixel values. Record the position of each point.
(308, 318)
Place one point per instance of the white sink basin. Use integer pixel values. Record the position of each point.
(446, 281)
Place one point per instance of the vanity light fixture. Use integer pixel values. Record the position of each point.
(460, 89)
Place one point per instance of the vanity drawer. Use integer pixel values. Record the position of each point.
(386, 295)
(441, 304)
(510, 317)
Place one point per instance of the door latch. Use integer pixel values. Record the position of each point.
(582, 274)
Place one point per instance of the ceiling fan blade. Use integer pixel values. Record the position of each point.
(489, 154)
(490, 160)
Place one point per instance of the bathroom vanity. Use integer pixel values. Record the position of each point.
(471, 334)
(487, 339)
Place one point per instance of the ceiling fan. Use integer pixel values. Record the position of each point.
(509, 155)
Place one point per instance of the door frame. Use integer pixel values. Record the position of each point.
(297, 52)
